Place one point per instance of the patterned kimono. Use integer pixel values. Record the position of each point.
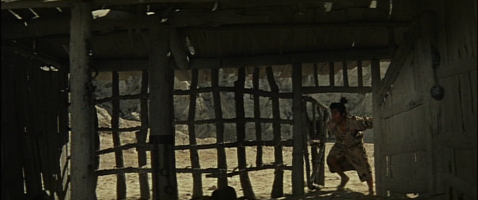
(350, 145)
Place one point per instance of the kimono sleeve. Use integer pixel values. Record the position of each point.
(361, 123)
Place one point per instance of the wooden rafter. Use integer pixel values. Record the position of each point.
(23, 4)
(185, 23)
(279, 59)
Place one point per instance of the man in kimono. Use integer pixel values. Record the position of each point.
(348, 152)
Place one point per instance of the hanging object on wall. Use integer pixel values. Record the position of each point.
(437, 90)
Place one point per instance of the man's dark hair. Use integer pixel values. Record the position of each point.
(340, 106)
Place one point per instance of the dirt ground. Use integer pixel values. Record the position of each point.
(261, 180)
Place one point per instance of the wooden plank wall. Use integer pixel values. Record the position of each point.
(428, 139)
(457, 113)
(36, 134)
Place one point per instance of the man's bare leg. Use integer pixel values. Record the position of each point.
(370, 186)
(334, 163)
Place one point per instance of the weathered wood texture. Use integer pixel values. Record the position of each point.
(82, 125)
(120, 178)
(221, 152)
(257, 114)
(278, 185)
(141, 137)
(241, 134)
(378, 137)
(197, 178)
(298, 134)
(161, 112)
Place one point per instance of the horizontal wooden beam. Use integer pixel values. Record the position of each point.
(24, 4)
(403, 106)
(468, 189)
(186, 21)
(46, 59)
(401, 58)
(460, 66)
(457, 140)
(403, 149)
(405, 186)
(336, 89)
(262, 60)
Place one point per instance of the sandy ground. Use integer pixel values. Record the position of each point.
(261, 180)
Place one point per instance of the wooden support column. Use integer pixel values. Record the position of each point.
(257, 115)
(221, 152)
(345, 74)
(278, 185)
(360, 73)
(377, 129)
(241, 133)
(141, 137)
(193, 152)
(297, 109)
(331, 74)
(316, 75)
(120, 178)
(83, 178)
(161, 116)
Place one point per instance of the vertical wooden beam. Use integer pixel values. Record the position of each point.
(345, 74)
(297, 110)
(360, 73)
(193, 152)
(241, 133)
(221, 152)
(377, 129)
(161, 116)
(120, 177)
(257, 115)
(11, 159)
(331, 74)
(141, 137)
(178, 50)
(316, 75)
(423, 54)
(83, 181)
(278, 185)
(391, 41)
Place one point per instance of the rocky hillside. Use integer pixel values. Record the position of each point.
(359, 104)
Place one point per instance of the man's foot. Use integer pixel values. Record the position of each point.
(371, 193)
(344, 180)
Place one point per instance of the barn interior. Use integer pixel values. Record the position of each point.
(424, 107)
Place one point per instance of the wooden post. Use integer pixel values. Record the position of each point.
(297, 109)
(197, 179)
(241, 133)
(331, 74)
(359, 73)
(120, 178)
(345, 74)
(161, 116)
(424, 59)
(316, 75)
(221, 152)
(377, 129)
(257, 115)
(278, 185)
(141, 137)
(83, 181)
